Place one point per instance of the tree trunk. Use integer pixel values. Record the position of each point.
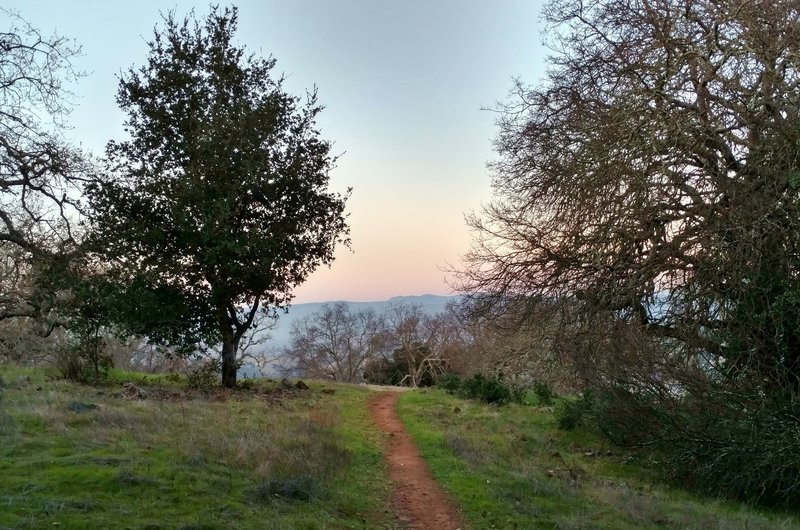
(229, 347)
(228, 362)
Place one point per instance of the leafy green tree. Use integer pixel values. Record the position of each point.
(218, 200)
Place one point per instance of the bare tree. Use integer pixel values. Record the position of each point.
(418, 344)
(528, 350)
(41, 175)
(335, 343)
(653, 175)
(649, 186)
(252, 344)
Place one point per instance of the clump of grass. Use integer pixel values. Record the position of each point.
(544, 394)
(461, 446)
(301, 488)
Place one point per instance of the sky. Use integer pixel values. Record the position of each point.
(405, 85)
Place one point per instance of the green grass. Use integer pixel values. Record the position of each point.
(509, 467)
(75, 456)
(145, 452)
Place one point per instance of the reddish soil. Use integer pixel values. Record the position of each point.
(417, 500)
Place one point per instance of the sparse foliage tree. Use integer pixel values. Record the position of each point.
(218, 201)
(419, 342)
(651, 185)
(41, 175)
(525, 350)
(335, 343)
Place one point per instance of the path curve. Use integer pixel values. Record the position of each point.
(418, 500)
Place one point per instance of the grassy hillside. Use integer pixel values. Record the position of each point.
(509, 467)
(146, 453)
(152, 455)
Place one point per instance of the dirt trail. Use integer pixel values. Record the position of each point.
(417, 500)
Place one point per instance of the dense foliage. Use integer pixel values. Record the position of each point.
(218, 201)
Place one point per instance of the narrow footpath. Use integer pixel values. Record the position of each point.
(418, 500)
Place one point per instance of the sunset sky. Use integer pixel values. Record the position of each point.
(403, 84)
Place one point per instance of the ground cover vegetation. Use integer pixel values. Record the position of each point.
(148, 452)
(511, 466)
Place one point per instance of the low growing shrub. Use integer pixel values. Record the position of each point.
(83, 361)
(299, 488)
(545, 394)
(450, 383)
(491, 389)
(206, 376)
(572, 414)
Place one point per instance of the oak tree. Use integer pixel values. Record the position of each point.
(649, 187)
(217, 204)
(41, 173)
(654, 174)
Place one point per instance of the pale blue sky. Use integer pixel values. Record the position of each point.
(403, 84)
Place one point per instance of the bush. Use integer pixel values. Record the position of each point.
(750, 456)
(380, 371)
(572, 414)
(299, 488)
(544, 393)
(736, 443)
(450, 383)
(491, 389)
(84, 361)
(206, 376)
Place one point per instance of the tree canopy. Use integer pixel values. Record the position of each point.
(41, 173)
(654, 173)
(218, 201)
(649, 185)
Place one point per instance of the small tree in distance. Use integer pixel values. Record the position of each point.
(218, 201)
(336, 343)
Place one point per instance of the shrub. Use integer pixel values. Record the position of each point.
(450, 383)
(491, 389)
(380, 371)
(300, 488)
(206, 376)
(572, 414)
(83, 361)
(544, 393)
